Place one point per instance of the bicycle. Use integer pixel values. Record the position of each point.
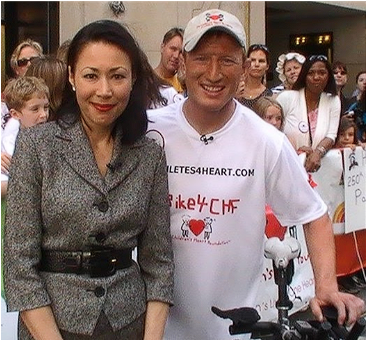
(246, 319)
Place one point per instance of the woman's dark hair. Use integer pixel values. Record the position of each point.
(154, 82)
(362, 101)
(134, 118)
(339, 65)
(309, 62)
(358, 75)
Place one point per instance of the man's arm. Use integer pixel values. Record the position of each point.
(320, 241)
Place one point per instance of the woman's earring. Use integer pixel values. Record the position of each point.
(73, 88)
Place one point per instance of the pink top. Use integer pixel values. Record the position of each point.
(313, 118)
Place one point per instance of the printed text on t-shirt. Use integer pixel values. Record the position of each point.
(214, 206)
(210, 171)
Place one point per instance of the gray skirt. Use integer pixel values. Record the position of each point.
(102, 331)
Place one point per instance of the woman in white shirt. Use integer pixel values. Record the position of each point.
(312, 111)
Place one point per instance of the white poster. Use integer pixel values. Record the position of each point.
(355, 189)
(330, 186)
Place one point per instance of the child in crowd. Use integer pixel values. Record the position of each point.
(271, 111)
(27, 99)
(347, 134)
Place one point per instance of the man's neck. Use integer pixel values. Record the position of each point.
(206, 122)
(162, 72)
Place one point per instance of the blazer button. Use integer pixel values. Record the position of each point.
(100, 237)
(99, 291)
(103, 206)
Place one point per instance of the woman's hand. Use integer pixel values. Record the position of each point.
(307, 149)
(313, 161)
(41, 323)
(156, 316)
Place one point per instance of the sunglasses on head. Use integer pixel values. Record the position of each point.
(318, 57)
(24, 61)
(259, 47)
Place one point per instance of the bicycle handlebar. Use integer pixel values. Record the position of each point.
(246, 320)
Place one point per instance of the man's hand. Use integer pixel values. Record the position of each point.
(320, 241)
(5, 163)
(350, 307)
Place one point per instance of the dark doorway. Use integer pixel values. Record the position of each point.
(316, 43)
(27, 19)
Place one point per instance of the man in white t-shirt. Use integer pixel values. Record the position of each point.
(224, 164)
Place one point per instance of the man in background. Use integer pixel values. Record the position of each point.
(171, 50)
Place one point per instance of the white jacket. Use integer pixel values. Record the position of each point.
(296, 121)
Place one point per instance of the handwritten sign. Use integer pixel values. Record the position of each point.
(355, 189)
(330, 186)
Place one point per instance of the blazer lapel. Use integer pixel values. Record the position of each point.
(76, 150)
(125, 160)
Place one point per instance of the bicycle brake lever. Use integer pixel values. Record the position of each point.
(244, 315)
(357, 329)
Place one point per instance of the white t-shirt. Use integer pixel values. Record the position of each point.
(218, 188)
(8, 138)
(171, 95)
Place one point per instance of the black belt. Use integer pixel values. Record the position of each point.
(96, 261)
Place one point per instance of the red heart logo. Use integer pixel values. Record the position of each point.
(196, 226)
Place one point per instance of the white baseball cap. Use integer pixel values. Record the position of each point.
(212, 19)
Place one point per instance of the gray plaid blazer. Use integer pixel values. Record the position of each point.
(55, 191)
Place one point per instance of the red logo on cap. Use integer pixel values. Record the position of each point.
(214, 17)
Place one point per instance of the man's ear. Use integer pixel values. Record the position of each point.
(15, 114)
(162, 47)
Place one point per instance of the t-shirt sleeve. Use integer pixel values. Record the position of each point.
(289, 193)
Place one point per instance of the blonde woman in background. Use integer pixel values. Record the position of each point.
(23, 55)
(288, 68)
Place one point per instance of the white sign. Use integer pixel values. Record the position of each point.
(329, 185)
(355, 189)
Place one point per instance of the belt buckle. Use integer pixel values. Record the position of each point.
(102, 261)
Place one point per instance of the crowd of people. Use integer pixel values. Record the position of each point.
(135, 197)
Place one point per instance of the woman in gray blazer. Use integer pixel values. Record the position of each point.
(83, 192)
